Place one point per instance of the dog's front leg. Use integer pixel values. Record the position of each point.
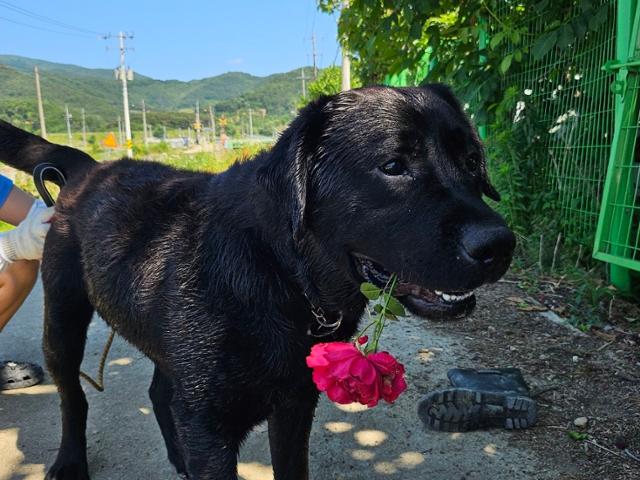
(209, 454)
(289, 429)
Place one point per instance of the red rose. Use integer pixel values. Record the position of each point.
(392, 374)
(346, 375)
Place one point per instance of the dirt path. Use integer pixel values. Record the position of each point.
(386, 442)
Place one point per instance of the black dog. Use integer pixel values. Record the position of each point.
(219, 279)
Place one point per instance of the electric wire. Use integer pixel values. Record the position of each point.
(44, 29)
(45, 19)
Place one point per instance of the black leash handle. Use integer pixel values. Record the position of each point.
(48, 172)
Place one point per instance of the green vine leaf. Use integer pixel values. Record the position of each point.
(506, 63)
(370, 291)
(565, 36)
(599, 18)
(544, 43)
(540, 7)
(580, 25)
(496, 40)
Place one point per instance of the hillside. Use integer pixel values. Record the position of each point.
(168, 101)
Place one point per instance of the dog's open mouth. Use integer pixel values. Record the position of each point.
(420, 300)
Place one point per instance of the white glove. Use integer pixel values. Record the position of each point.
(26, 241)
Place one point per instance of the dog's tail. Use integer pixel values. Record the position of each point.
(23, 150)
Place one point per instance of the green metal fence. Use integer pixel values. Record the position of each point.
(618, 234)
(570, 95)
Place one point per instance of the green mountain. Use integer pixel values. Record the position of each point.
(169, 102)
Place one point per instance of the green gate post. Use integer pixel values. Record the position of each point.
(621, 276)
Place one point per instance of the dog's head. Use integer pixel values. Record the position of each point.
(391, 180)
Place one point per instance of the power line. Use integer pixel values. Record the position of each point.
(44, 29)
(45, 19)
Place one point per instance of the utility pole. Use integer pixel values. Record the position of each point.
(124, 74)
(304, 85)
(43, 127)
(250, 124)
(212, 120)
(67, 117)
(84, 130)
(144, 124)
(164, 133)
(313, 50)
(120, 135)
(196, 126)
(346, 60)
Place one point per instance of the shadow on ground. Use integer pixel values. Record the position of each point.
(348, 442)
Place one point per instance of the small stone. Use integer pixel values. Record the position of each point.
(581, 422)
(575, 359)
(621, 442)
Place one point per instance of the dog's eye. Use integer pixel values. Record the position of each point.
(473, 162)
(394, 167)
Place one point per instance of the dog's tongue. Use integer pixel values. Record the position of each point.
(404, 289)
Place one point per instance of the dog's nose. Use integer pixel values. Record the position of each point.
(491, 247)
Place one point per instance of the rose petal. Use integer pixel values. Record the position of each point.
(322, 379)
(335, 353)
(369, 394)
(339, 394)
(362, 369)
(316, 357)
(384, 363)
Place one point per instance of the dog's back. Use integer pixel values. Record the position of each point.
(127, 233)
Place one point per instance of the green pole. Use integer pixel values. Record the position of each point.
(621, 276)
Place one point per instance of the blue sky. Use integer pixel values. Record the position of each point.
(174, 40)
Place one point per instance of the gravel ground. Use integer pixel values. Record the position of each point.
(387, 442)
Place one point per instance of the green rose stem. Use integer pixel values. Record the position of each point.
(386, 308)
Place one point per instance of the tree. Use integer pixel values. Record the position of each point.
(474, 43)
(329, 82)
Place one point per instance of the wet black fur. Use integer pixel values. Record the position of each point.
(213, 276)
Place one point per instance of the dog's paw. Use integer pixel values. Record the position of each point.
(68, 470)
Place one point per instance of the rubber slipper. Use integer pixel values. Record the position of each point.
(462, 409)
(19, 375)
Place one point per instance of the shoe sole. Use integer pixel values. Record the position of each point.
(22, 375)
(461, 410)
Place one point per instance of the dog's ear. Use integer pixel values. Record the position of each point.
(287, 170)
(446, 94)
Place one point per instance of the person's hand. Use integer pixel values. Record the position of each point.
(26, 241)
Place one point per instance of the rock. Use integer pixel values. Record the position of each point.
(581, 422)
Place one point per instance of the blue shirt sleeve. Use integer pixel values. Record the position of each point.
(5, 188)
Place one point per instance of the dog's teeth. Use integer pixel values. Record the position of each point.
(439, 293)
(446, 297)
